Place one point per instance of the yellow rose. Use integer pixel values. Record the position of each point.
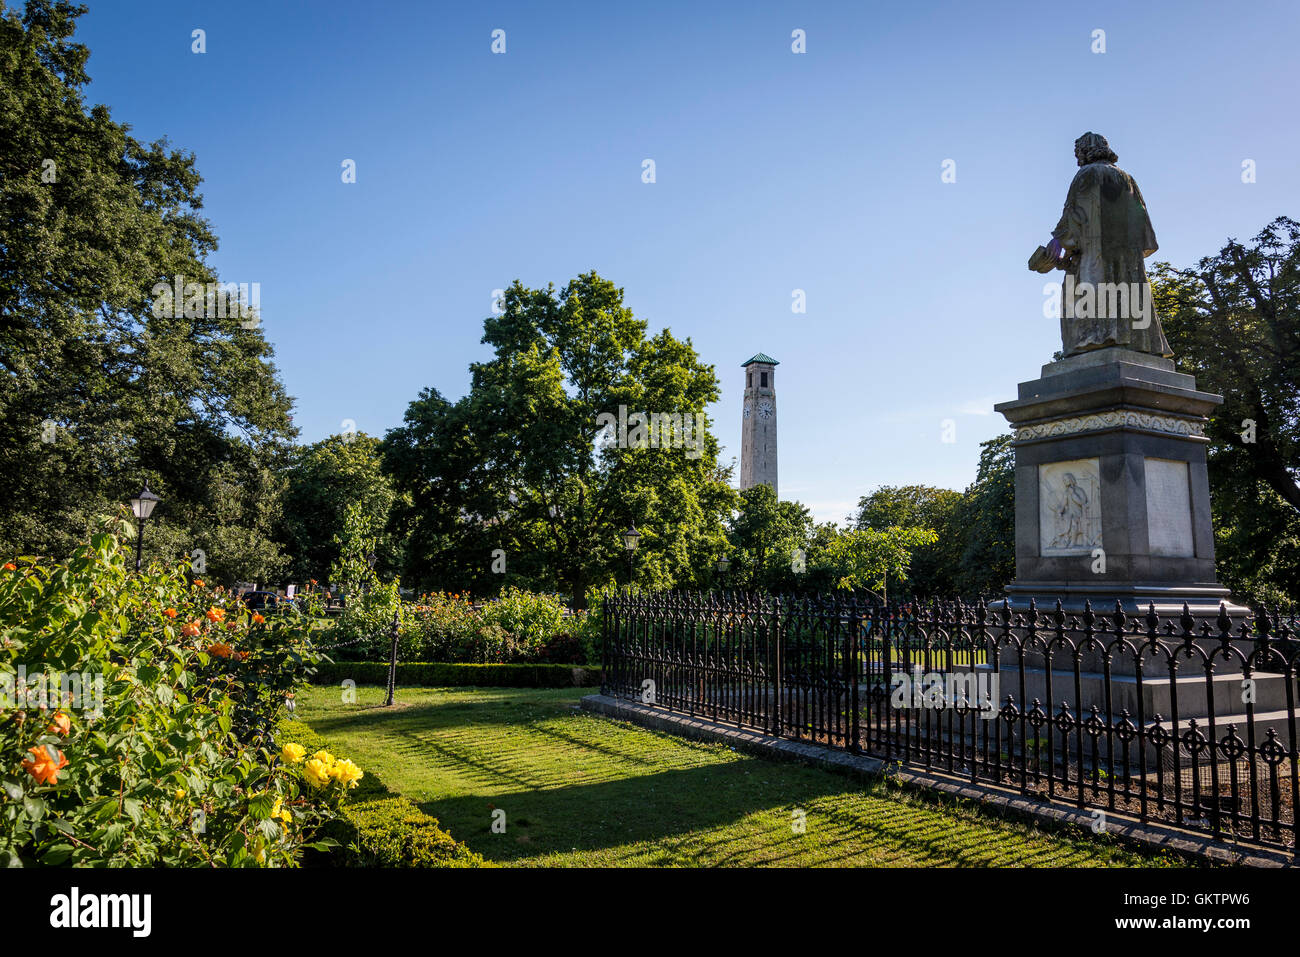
(323, 755)
(346, 773)
(316, 772)
(292, 753)
(280, 812)
(179, 793)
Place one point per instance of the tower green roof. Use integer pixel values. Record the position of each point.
(761, 357)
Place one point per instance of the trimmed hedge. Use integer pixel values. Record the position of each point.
(378, 829)
(438, 674)
(396, 833)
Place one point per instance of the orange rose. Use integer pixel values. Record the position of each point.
(245, 655)
(42, 766)
(170, 612)
(190, 630)
(198, 583)
(220, 650)
(61, 724)
(258, 619)
(10, 567)
(216, 614)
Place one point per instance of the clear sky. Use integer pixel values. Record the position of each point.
(775, 171)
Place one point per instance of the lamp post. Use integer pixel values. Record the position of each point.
(723, 564)
(142, 507)
(631, 538)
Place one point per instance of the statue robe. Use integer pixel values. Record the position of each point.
(1107, 234)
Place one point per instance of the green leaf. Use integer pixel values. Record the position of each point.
(57, 854)
(34, 806)
(132, 807)
(113, 837)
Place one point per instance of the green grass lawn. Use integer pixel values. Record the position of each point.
(580, 790)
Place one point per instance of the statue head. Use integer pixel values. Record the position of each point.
(1093, 148)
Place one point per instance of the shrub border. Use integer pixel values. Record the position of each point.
(442, 674)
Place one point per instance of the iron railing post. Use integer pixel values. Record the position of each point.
(851, 666)
(604, 642)
(778, 681)
(392, 658)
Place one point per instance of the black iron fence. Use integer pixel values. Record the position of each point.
(1182, 720)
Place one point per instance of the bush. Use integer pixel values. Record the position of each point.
(161, 752)
(439, 674)
(518, 627)
(377, 829)
(589, 625)
(562, 648)
(395, 833)
(531, 618)
(436, 628)
(365, 627)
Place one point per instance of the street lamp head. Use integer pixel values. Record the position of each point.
(631, 538)
(724, 563)
(371, 558)
(142, 505)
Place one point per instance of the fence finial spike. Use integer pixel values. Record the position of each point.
(1224, 622)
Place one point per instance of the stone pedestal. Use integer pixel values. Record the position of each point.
(1112, 493)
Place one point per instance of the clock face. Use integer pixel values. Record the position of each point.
(765, 410)
(747, 412)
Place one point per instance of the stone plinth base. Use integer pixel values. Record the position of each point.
(1112, 493)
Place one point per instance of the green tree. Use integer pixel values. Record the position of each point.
(326, 479)
(97, 392)
(877, 559)
(987, 518)
(935, 567)
(517, 471)
(1234, 322)
(770, 539)
(370, 603)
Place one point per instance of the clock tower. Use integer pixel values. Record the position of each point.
(758, 429)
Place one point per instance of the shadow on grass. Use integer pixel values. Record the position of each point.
(697, 816)
(725, 809)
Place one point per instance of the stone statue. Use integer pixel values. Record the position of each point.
(1100, 242)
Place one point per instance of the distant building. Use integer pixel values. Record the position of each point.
(758, 432)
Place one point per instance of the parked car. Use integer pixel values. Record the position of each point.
(264, 601)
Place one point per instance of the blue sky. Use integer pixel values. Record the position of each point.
(775, 171)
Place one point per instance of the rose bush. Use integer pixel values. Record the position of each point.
(520, 627)
(161, 751)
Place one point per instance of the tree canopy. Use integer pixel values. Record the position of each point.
(99, 391)
(327, 479)
(1233, 321)
(525, 481)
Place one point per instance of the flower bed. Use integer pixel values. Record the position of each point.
(437, 674)
(137, 716)
(519, 627)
